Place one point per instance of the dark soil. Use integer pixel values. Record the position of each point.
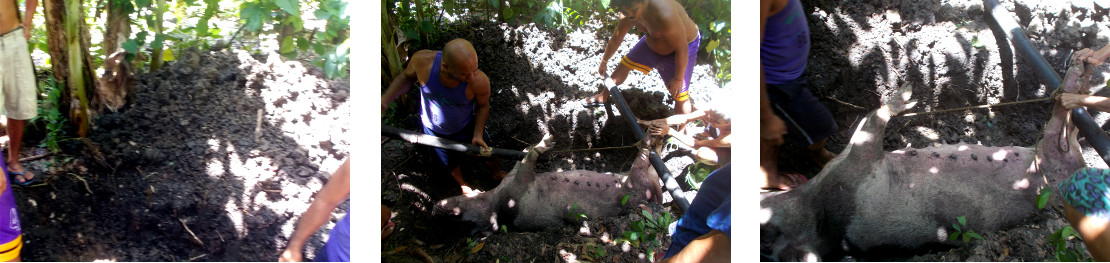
(955, 57)
(182, 174)
(539, 80)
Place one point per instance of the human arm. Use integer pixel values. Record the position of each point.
(27, 16)
(614, 42)
(327, 199)
(403, 82)
(481, 97)
(1071, 101)
(711, 247)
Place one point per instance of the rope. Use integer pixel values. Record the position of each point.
(1053, 96)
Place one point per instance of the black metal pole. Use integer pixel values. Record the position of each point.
(668, 180)
(1082, 120)
(433, 141)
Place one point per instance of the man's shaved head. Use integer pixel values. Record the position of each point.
(460, 60)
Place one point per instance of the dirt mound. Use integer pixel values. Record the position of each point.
(214, 159)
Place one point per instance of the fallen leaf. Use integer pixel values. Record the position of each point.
(436, 246)
(477, 247)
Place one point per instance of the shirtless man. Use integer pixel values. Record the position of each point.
(670, 44)
(18, 86)
(454, 100)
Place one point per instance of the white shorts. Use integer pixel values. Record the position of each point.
(17, 75)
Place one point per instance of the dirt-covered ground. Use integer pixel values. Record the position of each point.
(955, 57)
(539, 79)
(214, 159)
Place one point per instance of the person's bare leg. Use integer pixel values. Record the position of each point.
(15, 134)
(768, 162)
(1095, 232)
(618, 78)
(683, 107)
(818, 153)
(466, 189)
(706, 156)
(495, 166)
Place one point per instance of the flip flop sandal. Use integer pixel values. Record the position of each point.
(388, 229)
(21, 174)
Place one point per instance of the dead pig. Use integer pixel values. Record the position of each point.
(874, 202)
(530, 201)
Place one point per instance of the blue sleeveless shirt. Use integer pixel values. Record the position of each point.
(338, 247)
(785, 47)
(444, 110)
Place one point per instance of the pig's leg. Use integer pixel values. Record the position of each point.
(524, 170)
(867, 140)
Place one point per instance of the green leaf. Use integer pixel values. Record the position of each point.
(303, 44)
(957, 227)
(293, 7)
(131, 46)
(1067, 232)
(954, 236)
(157, 43)
(712, 45)
(963, 221)
(287, 45)
(974, 235)
(508, 13)
(967, 238)
(634, 236)
(1042, 198)
(624, 199)
(638, 226)
(646, 215)
(167, 55)
(253, 16)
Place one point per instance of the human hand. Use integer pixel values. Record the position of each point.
(660, 130)
(771, 129)
(478, 141)
(27, 31)
(1072, 100)
(603, 69)
(675, 86)
(291, 255)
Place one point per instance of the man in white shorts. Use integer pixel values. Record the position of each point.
(17, 76)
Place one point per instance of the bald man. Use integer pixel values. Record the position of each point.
(454, 101)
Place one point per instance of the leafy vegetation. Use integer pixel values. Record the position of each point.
(49, 112)
(1064, 253)
(647, 231)
(575, 214)
(963, 232)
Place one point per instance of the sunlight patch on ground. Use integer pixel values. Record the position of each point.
(585, 229)
(236, 216)
(934, 170)
(942, 234)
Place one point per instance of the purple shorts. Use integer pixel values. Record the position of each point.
(11, 235)
(642, 58)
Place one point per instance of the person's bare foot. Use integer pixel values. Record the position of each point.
(469, 192)
(20, 173)
(598, 99)
(785, 181)
(822, 157)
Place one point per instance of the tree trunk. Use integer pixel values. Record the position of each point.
(79, 110)
(119, 26)
(156, 56)
(54, 11)
(392, 58)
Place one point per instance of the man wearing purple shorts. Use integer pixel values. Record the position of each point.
(670, 44)
(11, 234)
(787, 106)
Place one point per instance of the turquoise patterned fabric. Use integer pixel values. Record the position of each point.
(1087, 190)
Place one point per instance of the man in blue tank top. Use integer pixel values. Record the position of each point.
(786, 105)
(454, 101)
